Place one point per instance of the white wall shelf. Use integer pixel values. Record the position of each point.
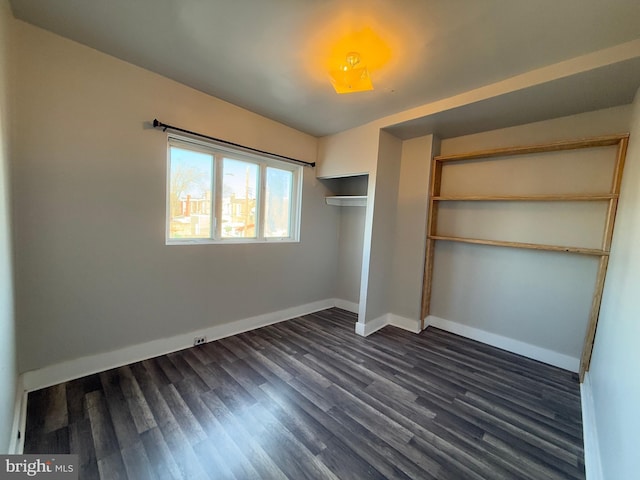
(347, 200)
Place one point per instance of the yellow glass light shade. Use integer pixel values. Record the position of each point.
(380, 32)
(351, 76)
(352, 80)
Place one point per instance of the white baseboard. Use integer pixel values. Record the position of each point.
(405, 323)
(16, 445)
(346, 305)
(366, 329)
(592, 464)
(80, 367)
(509, 344)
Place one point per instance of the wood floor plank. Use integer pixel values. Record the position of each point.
(137, 403)
(543, 432)
(185, 370)
(36, 416)
(312, 433)
(185, 418)
(183, 454)
(288, 452)
(57, 415)
(239, 426)
(136, 462)
(155, 372)
(162, 463)
(123, 423)
(346, 463)
(202, 370)
(112, 467)
(308, 398)
(224, 438)
(213, 461)
(514, 430)
(81, 443)
(367, 450)
(526, 465)
(76, 392)
(236, 346)
(217, 353)
(234, 395)
(104, 436)
(191, 395)
(169, 369)
(381, 455)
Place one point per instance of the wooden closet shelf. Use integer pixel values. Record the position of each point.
(604, 141)
(506, 153)
(528, 198)
(528, 246)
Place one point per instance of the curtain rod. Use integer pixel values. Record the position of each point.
(165, 127)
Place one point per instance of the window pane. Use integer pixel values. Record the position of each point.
(239, 188)
(277, 222)
(190, 194)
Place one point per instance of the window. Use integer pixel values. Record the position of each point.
(220, 195)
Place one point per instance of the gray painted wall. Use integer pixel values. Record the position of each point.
(614, 366)
(350, 253)
(8, 371)
(385, 201)
(352, 152)
(89, 183)
(410, 226)
(351, 237)
(540, 298)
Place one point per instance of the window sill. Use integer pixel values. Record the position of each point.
(234, 241)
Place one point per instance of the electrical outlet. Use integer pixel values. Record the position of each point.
(199, 340)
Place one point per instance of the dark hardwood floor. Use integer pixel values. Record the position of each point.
(308, 398)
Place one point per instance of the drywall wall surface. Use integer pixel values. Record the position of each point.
(614, 376)
(351, 234)
(353, 185)
(522, 82)
(8, 370)
(384, 206)
(562, 223)
(352, 152)
(411, 228)
(89, 178)
(539, 298)
(590, 124)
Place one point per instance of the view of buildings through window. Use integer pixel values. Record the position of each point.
(239, 190)
(215, 197)
(190, 190)
(278, 194)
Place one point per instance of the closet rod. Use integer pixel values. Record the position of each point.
(165, 127)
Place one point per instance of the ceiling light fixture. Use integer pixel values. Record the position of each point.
(352, 76)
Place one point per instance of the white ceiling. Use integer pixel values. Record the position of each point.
(269, 55)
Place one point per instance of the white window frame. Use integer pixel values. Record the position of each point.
(222, 151)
